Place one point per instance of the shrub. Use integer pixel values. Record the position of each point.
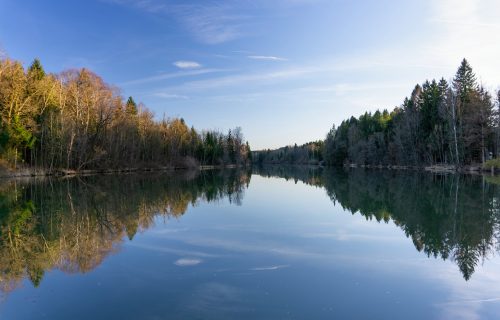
(493, 163)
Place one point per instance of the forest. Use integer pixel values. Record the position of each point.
(310, 153)
(74, 120)
(452, 123)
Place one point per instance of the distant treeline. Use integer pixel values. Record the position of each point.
(453, 123)
(74, 120)
(309, 153)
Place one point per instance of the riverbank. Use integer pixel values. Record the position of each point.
(470, 169)
(37, 172)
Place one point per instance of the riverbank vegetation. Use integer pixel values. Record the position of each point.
(442, 123)
(74, 120)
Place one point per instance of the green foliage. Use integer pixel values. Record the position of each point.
(436, 125)
(464, 81)
(492, 163)
(131, 106)
(74, 120)
(36, 71)
(20, 217)
(310, 153)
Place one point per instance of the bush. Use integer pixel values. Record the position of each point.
(493, 163)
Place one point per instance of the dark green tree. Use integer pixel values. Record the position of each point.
(465, 81)
(35, 70)
(131, 106)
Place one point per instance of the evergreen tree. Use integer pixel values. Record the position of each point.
(465, 81)
(436, 125)
(249, 152)
(36, 71)
(131, 106)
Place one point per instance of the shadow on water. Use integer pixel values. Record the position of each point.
(454, 217)
(74, 224)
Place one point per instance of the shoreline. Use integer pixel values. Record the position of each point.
(33, 172)
(471, 169)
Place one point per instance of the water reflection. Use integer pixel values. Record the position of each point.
(73, 224)
(452, 217)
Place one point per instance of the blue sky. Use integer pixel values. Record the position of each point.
(283, 70)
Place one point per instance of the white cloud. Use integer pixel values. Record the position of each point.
(320, 70)
(270, 58)
(179, 252)
(244, 78)
(270, 268)
(185, 262)
(170, 95)
(213, 24)
(183, 64)
(345, 88)
(166, 76)
(210, 23)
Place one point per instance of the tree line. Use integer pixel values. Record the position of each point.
(74, 120)
(310, 153)
(440, 123)
(452, 123)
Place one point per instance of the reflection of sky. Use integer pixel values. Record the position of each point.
(287, 252)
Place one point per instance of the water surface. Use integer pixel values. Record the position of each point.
(278, 243)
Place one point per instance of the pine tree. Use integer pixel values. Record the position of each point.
(131, 106)
(465, 81)
(36, 71)
(249, 152)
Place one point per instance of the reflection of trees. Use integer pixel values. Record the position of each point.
(73, 224)
(447, 216)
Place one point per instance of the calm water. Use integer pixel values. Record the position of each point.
(277, 243)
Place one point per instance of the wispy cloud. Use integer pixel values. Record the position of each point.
(270, 58)
(467, 31)
(270, 268)
(170, 75)
(170, 95)
(211, 23)
(285, 74)
(245, 78)
(344, 88)
(179, 252)
(183, 64)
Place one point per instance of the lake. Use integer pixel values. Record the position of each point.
(267, 243)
